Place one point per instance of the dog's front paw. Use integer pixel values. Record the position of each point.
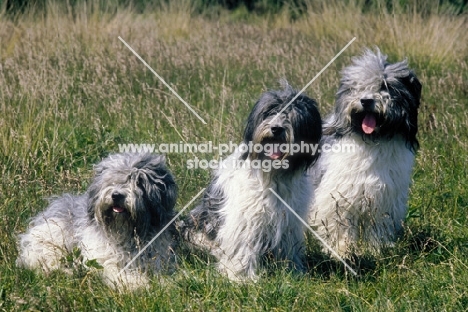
(126, 280)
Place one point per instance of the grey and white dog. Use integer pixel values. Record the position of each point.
(240, 219)
(129, 201)
(362, 183)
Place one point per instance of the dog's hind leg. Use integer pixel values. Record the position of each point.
(44, 245)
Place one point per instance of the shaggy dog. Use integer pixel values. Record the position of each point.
(240, 219)
(130, 200)
(362, 183)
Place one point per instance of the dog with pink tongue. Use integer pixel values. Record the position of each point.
(362, 182)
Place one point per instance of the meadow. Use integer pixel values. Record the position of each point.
(71, 92)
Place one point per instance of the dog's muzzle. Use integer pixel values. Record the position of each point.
(370, 121)
(277, 137)
(118, 200)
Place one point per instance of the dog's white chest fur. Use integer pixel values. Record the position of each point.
(362, 194)
(256, 221)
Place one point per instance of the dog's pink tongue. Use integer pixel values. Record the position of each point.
(117, 209)
(276, 153)
(368, 124)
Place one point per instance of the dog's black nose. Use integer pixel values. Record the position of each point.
(117, 196)
(276, 130)
(367, 103)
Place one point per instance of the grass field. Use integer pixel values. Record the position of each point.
(71, 92)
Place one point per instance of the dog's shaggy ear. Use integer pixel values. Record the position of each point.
(414, 87)
(159, 187)
(409, 88)
(401, 73)
(308, 123)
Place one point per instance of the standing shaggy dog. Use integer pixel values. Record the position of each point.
(362, 184)
(240, 219)
(130, 200)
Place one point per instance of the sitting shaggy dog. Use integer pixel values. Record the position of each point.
(246, 214)
(362, 183)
